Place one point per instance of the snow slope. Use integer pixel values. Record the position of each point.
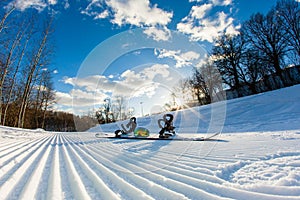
(257, 156)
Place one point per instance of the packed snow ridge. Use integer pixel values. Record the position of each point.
(256, 156)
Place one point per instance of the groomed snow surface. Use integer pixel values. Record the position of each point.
(257, 156)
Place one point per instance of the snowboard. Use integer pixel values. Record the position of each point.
(175, 138)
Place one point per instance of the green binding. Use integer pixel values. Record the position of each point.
(141, 132)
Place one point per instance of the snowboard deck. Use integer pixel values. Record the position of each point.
(175, 138)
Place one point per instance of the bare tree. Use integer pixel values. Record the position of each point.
(7, 64)
(14, 76)
(47, 95)
(227, 54)
(200, 87)
(104, 114)
(39, 97)
(288, 12)
(267, 36)
(254, 69)
(119, 107)
(183, 92)
(34, 66)
(213, 80)
(5, 16)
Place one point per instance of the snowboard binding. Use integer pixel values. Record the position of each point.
(130, 127)
(167, 129)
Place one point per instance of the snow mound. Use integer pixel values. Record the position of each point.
(283, 170)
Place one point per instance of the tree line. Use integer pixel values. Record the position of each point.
(27, 93)
(25, 81)
(265, 55)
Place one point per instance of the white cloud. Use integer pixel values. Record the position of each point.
(133, 12)
(198, 12)
(157, 69)
(24, 4)
(79, 98)
(52, 2)
(89, 83)
(63, 98)
(87, 98)
(39, 5)
(142, 83)
(182, 59)
(222, 2)
(158, 34)
(78, 101)
(215, 2)
(202, 25)
(92, 90)
(102, 15)
(190, 55)
(139, 13)
(131, 80)
(148, 90)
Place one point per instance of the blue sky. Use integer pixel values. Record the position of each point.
(137, 49)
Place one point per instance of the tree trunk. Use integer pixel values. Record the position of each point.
(33, 67)
(5, 17)
(6, 66)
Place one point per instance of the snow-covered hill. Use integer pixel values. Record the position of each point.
(257, 156)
